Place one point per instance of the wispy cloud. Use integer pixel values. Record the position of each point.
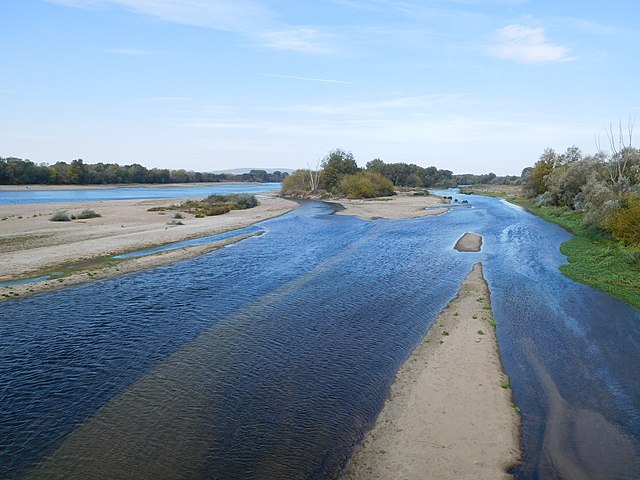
(296, 39)
(526, 45)
(593, 27)
(308, 79)
(167, 99)
(419, 103)
(132, 52)
(246, 17)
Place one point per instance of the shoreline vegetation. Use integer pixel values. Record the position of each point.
(594, 257)
(32, 246)
(449, 411)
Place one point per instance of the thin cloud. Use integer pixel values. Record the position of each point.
(526, 45)
(246, 17)
(295, 39)
(132, 52)
(308, 79)
(375, 107)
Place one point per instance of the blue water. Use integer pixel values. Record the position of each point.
(32, 195)
(272, 358)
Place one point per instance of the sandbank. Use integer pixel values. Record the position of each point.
(449, 412)
(32, 245)
(397, 207)
(469, 242)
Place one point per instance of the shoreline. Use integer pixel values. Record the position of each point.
(449, 412)
(32, 246)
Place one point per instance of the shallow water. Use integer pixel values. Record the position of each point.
(33, 195)
(271, 358)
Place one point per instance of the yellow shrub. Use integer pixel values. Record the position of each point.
(624, 222)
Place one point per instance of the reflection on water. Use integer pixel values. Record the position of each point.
(272, 358)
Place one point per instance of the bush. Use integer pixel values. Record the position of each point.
(300, 183)
(365, 185)
(214, 205)
(211, 210)
(624, 222)
(60, 217)
(88, 214)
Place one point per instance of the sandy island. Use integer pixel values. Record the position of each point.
(469, 242)
(398, 207)
(32, 245)
(449, 412)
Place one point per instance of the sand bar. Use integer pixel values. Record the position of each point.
(469, 242)
(31, 244)
(400, 206)
(447, 414)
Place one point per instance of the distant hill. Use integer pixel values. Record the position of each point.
(240, 171)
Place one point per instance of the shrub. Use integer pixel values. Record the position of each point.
(365, 185)
(88, 214)
(60, 217)
(624, 222)
(299, 183)
(236, 201)
(211, 210)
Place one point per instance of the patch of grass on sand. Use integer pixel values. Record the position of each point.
(87, 213)
(60, 217)
(594, 257)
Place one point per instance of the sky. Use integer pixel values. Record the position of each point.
(473, 86)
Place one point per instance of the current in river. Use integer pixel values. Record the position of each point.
(271, 358)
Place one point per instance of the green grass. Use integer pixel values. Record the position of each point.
(594, 257)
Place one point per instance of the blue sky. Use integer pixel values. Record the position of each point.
(469, 85)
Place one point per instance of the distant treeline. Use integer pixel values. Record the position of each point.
(410, 175)
(339, 174)
(15, 171)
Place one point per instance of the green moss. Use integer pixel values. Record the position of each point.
(594, 257)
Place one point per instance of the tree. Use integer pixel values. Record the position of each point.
(535, 181)
(336, 164)
(298, 184)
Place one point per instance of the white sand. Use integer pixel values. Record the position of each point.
(403, 205)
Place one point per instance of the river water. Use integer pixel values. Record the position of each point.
(271, 358)
(33, 195)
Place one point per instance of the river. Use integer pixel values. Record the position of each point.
(271, 358)
(36, 195)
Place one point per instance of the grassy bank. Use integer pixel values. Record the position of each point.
(595, 259)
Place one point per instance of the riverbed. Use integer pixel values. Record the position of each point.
(272, 358)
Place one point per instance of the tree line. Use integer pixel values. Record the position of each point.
(338, 174)
(15, 171)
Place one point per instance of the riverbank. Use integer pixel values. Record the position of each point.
(397, 207)
(449, 412)
(31, 245)
(595, 258)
